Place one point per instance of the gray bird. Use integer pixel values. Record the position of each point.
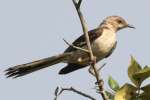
(103, 42)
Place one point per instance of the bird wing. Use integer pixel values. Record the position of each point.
(81, 41)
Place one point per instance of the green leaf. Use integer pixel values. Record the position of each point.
(144, 96)
(146, 88)
(132, 69)
(109, 95)
(113, 84)
(126, 92)
(142, 74)
(146, 67)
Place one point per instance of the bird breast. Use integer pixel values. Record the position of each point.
(104, 44)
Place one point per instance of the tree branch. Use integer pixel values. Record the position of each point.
(58, 93)
(76, 46)
(91, 71)
(92, 57)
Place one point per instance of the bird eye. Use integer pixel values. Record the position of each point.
(119, 21)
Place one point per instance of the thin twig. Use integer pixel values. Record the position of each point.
(76, 46)
(91, 71)
(99, 69)
(92, 58)
(73, 90)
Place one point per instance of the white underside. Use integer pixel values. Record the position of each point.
(103, 45)
(100, 47)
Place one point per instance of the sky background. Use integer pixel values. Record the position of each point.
(33, 29)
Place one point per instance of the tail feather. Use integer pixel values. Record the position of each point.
(21, 70)
(70, 68)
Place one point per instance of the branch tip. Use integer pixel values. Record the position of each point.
(76, 47)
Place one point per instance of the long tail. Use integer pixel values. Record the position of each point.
(21, 70)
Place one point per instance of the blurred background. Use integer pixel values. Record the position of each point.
(33, 29)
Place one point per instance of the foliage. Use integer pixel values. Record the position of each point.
(133, 91)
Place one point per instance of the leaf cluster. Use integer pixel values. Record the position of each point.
(137, 74)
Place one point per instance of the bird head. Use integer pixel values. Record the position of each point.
(116, 23)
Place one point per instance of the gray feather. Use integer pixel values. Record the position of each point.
(24, 69)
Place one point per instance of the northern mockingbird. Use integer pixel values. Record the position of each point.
(103, 42)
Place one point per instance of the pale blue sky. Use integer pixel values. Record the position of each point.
(33, 29)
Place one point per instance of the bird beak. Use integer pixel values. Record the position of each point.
(130, 26)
